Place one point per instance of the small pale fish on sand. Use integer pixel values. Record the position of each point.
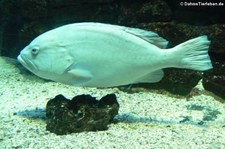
(104, 55)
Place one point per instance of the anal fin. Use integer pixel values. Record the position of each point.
(151, 77)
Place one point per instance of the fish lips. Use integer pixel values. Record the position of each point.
(27, 63)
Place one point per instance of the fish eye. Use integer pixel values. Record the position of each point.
(35, 51)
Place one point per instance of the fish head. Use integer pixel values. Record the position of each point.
(46, 56)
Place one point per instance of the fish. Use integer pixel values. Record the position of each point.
(92, 54)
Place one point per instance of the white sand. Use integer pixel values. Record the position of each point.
(147, 119)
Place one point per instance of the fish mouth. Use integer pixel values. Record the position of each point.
(27, 63)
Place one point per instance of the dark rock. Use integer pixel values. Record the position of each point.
(214, 80)
(175, 81)
(82, 113)
(26, 19)
(133, 12)
(182, 81)
(177, 33)
(197, 15)
(98, 1)
(43, 9)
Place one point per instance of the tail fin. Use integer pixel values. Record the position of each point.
(193, 54)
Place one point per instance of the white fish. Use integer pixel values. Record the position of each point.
(103, 55)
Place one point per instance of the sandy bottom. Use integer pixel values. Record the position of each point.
(146, 119)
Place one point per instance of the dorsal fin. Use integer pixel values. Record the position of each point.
(149, 36)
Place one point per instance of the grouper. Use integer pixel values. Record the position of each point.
(105, 55)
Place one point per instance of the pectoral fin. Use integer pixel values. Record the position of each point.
(80, 74)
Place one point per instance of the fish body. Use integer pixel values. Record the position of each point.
(104, 55)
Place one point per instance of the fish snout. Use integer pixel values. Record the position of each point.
(26, 62)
